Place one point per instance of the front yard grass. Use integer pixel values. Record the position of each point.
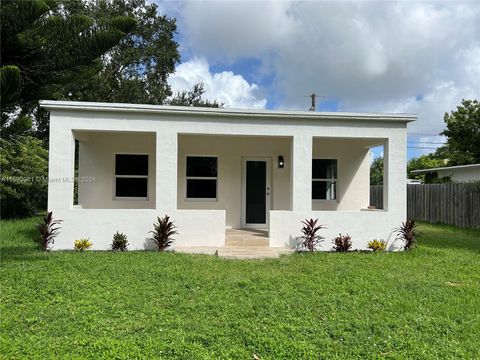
(143, 305)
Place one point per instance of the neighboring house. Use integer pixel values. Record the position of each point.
(214, 169)
(461, 173)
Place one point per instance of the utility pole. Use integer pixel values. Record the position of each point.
(314, 101)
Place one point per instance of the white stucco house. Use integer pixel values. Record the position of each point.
(217, 169)
(460, 173)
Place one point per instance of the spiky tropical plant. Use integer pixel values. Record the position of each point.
(163, 231)
(48, 231)
(342, 243)
(407, 233)
(310, 239)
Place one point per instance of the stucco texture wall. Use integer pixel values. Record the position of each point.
(230, 150)
(97, 162)
(162, 133)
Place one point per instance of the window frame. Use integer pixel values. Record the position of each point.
(115, 176)
(334, 180)
(188, 199)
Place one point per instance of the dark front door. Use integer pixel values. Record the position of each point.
(256, 192)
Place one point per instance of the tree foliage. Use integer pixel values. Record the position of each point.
(376, 171)
(47, 45)
(192, 97)
(462, 147)
(137, 68)
(23, 182)
(463, 135)
(423, 162)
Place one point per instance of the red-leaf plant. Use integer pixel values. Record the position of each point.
(48, 231)
(342, 243)
(163, 231)
(407, 232)
(310, 239)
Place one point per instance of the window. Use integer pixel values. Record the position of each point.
(131, 176)
(202, 177)
(324, 179)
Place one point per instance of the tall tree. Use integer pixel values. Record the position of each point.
(45, 45)
(137, 68)
(463, 135)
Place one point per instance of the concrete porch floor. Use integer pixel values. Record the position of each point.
(240, 244)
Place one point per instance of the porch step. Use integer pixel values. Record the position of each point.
(247, 242)
(251, 252)
(236, 252)
(241, 244)
(246, 238)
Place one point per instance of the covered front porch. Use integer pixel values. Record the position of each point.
(229, 183)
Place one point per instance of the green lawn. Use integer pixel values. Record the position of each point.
(142, 305)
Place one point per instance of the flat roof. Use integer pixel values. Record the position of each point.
(445, 168)
(179, 110)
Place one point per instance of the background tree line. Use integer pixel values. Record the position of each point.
(462, 146)
(101, 50)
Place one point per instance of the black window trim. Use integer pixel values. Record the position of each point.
(201, 178)
(115, 176)
(335, 180)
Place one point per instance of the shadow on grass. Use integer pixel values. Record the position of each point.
(442, 236)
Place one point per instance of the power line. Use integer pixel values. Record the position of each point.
(420, 134)
(422, 147)
(427, 142)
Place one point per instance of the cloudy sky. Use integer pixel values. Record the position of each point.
(415, 57)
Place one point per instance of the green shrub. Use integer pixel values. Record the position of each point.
(120, 242)
(342, 243)
(377, 245)
(48, 231)
(163, 231)
(82, 244)
(23, 179)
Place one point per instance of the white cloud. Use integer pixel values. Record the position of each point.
(370, 56)
(225, 87)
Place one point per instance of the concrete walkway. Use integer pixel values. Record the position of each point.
(240, 244)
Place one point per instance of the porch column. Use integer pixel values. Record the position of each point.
(301, 174)
(386, 170)
(61, 157)
(395, 173)
(166, 170)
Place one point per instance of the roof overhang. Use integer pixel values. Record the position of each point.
(458, 167)
(224, 112)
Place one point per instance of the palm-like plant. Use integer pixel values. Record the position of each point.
(48, 231)
(310, 239)
(407, 232)
(163, 231)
